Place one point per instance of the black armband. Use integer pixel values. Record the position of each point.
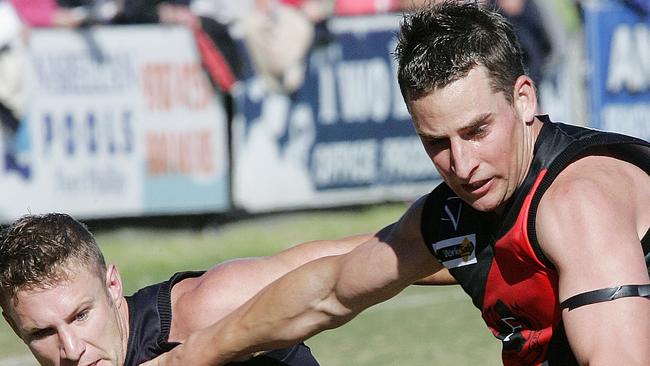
(605, 294)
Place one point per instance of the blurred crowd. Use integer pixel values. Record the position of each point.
(277, 34)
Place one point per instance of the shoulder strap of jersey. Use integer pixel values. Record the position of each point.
(164, 306)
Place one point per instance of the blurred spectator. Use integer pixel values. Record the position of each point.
(217, 49)
(529, 26)
(642, 6)
(10, 30)
(410, 5)
(93, 11)
(47, 13)
(11, 90)
(16, 17)
(359, 7)
(318, 12)
(278, 35)
(226, 12)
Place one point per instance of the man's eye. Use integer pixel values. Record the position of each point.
(41, 333)
(478, 132)
(82, 316)
(432, 141)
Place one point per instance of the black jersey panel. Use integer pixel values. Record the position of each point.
(150, 320)
(461, 238)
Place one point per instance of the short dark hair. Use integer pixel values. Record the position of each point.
(37, 250)
(439, 44)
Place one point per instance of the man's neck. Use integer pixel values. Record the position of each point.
(530, 138)
(531, 133)
(123, 323)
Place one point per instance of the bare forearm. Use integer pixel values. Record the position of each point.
(323, 294)
(302, 253)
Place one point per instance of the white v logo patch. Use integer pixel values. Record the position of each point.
(454, 219)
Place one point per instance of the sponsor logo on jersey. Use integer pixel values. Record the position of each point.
(456, 252)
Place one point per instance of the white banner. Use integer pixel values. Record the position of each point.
(120, 121)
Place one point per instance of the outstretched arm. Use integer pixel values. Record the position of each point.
(322, 294)
(201, 301)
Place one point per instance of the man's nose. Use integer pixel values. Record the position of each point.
(463, 161)
(70, 345)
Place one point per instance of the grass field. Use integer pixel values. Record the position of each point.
(422, 326)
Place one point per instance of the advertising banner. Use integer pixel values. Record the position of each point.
(344, 137)
(618, 44)
(119, 122)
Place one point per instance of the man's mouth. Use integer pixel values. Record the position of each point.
(478, 187)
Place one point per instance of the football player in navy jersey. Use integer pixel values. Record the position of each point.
(62, 299)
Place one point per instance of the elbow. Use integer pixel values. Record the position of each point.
(325, 312)
(333, 313)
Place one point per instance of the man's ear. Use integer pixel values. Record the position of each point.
(114, 283)
(11, 323)
(525, 98)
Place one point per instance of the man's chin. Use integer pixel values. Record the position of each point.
(483, 204)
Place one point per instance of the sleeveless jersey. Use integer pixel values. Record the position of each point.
(498, 261)
(150, 320)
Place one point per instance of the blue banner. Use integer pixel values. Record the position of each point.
(345, 136)
(618, 45)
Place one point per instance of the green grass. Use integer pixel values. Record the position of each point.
(421, 326)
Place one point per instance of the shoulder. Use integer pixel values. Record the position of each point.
(200, 301)
(408, 226)
(589, 224)
(426, 206)
(595, 207)
(594, 186)
(405, 239)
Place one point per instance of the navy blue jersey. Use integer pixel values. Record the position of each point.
(150, 318)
